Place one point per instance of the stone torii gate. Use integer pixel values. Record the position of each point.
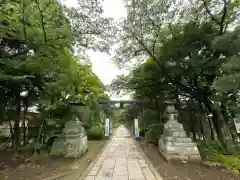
(109, 102)
(122, 106)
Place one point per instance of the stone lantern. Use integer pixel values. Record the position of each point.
(174, 143)
(73, 140)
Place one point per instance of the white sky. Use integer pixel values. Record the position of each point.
(101, 62)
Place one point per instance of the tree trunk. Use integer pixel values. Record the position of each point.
(228, 120)
(206, 131)
(12, 133)
(158, 111)
(16, 128)
(202, 129)
(142, 110)
(221, 127)
(39, 135)
(24, 126)
(211, 128)
(193, 129)
(192, 123)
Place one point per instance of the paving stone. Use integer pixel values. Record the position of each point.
(135, 172)
(121, 170)
(148, 174)
(103, 178)
(144, 166)
(90, 178)
(142, 161)
(117, 177)
(121, 160)
(107, 166)
(94, 171)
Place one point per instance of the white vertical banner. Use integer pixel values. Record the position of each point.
(237, 124)
(136, 127)
(107, 127)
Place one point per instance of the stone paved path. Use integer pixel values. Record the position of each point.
(121, 160)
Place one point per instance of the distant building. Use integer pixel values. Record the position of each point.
(5, 130)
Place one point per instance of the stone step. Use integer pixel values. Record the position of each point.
(177, 139)
(173, 125)
(174, 133)
(182, 150)
(180, 144)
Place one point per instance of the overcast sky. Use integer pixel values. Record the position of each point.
(101, 62)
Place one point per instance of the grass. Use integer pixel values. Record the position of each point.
(215, 152)
(230, 161)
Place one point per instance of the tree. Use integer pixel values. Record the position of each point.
(90, 29)
(25, 39)
(37, 38)
(229, 81)
(182, 50)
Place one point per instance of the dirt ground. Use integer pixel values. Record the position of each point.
(183, 171)
(40, 167)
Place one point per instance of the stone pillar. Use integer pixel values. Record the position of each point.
(174, 143)
(72, 142)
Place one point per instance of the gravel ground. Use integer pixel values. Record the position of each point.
(184, 171)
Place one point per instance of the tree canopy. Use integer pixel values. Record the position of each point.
(188, 52)
(42, 47)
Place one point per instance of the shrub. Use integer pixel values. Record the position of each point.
(141, 132)
(216, 152)
(215, 147)
(116, 125)
(230, 161)
(96, 133)
(154, 132)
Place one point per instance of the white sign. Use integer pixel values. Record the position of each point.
(136, 127)
(237, 124)
(107, 127)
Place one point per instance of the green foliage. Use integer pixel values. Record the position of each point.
(229, 161)
(91, 30)
(182, 56)
(215, 152)
(229, 81)
(154, 132)
(187, 53)
(31, 147)
(116, 125)
(60, 152)
(150, 116)
(95, 133)
(38, 65)
(213, 147)
(141, 132)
